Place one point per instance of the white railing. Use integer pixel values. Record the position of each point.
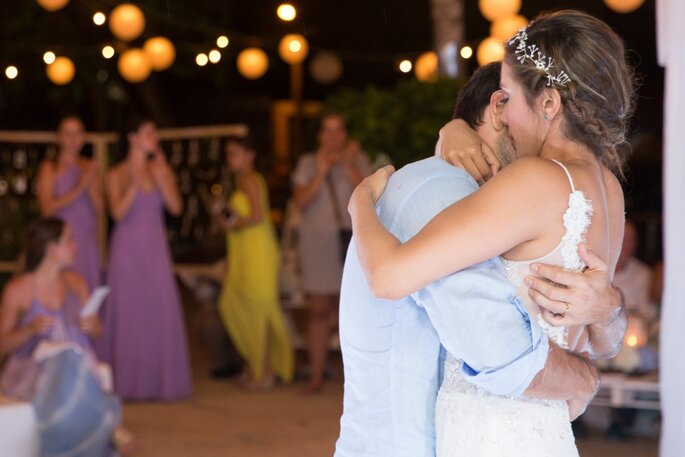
(101, 144)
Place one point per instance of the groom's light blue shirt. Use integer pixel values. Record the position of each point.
(392, 349)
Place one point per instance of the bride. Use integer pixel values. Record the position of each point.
(567, 116)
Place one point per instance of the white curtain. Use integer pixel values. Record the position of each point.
(671, 44)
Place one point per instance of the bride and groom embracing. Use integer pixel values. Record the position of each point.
(468, 316)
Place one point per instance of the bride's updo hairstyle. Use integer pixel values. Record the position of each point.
(590, 71)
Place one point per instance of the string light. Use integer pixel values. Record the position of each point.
(99, 18)
(214, 56)
(405, 66)
(11, 72)
(466, 52)
(201, 59)
(49, 57)
(286, 12)
(222, 41)
(108, 52)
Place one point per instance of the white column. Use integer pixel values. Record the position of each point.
(448, 33)
(671, 39)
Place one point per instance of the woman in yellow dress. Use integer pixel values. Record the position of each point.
(249, 302)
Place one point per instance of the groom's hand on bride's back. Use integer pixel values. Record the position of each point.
(575, 298)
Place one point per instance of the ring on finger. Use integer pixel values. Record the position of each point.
(567, 306)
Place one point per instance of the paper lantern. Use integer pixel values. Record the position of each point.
(506, 27)
(326, 67)
(490, 49)
(426, 67)
(252, 63)
(495, 9)
(134, 65)
(160, 51)
(624, 6)
(61, 71)
(127, 22)
(52, 5)
(293, 48)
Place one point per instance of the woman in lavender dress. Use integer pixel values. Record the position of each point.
(145, 335)
(70, 188)
(83, 421)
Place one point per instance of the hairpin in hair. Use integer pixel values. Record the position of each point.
(541, 62)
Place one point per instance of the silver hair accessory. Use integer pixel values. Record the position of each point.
(542, 62)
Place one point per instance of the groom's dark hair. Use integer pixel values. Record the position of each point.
(474, 97)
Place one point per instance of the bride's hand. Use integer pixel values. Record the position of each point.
(373, 186)
(461, 146)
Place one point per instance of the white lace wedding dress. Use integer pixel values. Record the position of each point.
(472, 422)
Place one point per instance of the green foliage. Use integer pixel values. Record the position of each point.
(402, 122)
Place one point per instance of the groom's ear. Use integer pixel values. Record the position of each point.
(496, 108)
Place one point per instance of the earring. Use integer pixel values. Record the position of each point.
(547, 118)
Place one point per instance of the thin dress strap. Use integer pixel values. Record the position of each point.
(570, 179)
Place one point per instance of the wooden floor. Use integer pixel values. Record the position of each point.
(223, 420)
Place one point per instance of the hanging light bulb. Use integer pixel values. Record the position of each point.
(49, 57)
(99, 18)
(222, 41)
(11, 72)
(286, 12)
(214, 56)
(201, 59)
(108, 52)
(405, 66)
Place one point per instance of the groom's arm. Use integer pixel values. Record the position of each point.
(566, 376)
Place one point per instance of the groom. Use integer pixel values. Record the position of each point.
(393, 350)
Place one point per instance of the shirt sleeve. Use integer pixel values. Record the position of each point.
(475, 312)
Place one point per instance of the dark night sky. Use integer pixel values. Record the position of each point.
(370, 36)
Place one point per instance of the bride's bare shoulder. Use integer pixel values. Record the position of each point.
(531, 173)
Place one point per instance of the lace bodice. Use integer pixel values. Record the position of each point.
(577, 218)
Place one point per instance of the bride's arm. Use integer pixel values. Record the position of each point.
(498, 217)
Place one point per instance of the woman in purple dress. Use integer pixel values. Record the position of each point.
(71, 421)
(70, 188)
(145, 335)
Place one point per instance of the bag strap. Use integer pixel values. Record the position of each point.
(334, 198)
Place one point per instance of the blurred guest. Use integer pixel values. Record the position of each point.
(249, 303)
(69, 187)
(71, 420)
(323, 183)
(145, 334)
(634, 277)
(657, 286)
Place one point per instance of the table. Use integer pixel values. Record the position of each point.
(619, 390)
